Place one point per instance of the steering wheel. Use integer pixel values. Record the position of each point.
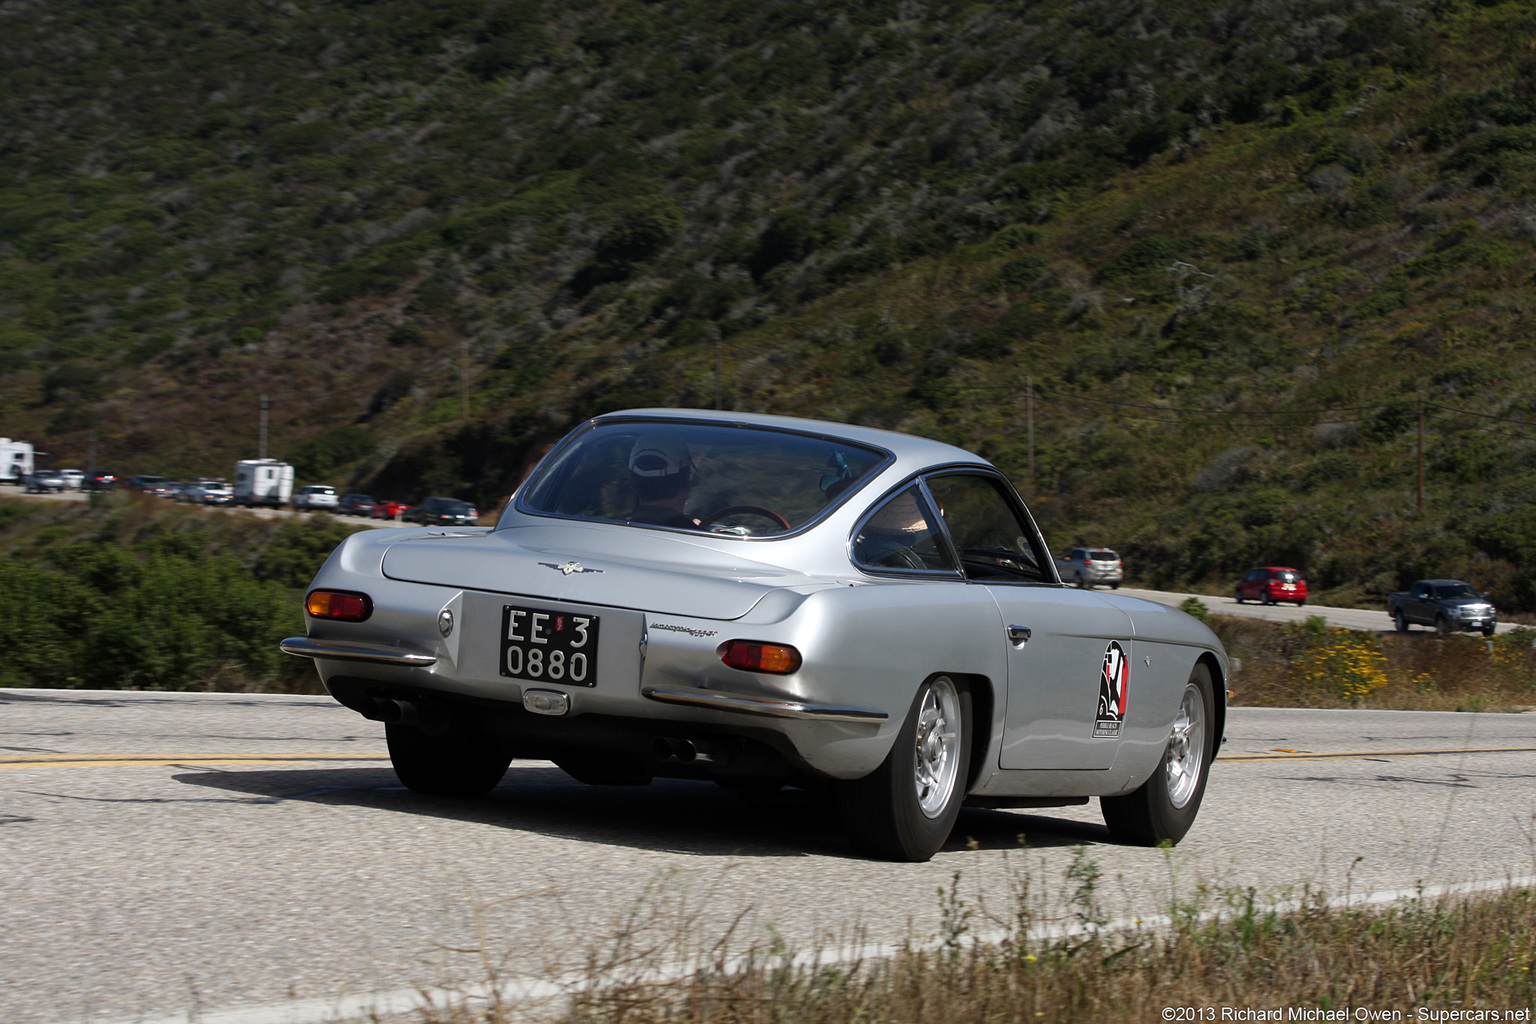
(756, 510)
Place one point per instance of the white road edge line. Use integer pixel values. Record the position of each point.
(533, 990)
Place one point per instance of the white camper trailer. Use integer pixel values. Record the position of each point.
(15, 460)
(263, 483)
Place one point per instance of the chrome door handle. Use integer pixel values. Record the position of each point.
(1019, 635)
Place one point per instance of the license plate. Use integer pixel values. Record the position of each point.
(541, 646)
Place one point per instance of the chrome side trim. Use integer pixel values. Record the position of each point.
(719, 700)
(304, 647)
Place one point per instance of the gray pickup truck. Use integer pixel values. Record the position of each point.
(1444, 605)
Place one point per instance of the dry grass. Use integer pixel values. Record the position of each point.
(1418, 671)
(1237, 952)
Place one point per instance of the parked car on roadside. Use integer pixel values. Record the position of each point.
(1443, 605)
(384, 508)
(441, 511)
(315, 498)
(42, 481)
(208, 491)
(761, 601)
(1269, 584)
(355, 504)
(1084, 567)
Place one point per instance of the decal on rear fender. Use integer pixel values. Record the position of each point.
(1114, 679)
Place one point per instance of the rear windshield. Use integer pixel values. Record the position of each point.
(1287, 577)
(742, 481)
(1455, 590)
(1103, 555)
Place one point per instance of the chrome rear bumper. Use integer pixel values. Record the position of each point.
(719, 700)
(304, 647)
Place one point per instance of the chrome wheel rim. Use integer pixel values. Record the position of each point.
(938, 747)
(1185, 759)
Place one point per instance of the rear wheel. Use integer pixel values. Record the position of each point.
(1441, 626)
(1237, 595)
(455, 764)
(905, 809)
(1400, 621)
(1164, 808)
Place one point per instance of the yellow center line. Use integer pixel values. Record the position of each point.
(163, 760)
(1300, 755)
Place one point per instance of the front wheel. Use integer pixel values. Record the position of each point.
(455, 764)
(905, 809)
(1488, 629)
(1164, 808)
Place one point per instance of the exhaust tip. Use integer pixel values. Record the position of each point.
(661, 749)
(684, 751)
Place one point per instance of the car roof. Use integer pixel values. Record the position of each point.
(908, 448)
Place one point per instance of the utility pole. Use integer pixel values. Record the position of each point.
(464, 377)
(261, 441)
(1029, 419)
(1421, 451)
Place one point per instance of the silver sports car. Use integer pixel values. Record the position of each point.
(762, 601)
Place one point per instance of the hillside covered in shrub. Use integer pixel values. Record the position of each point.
(1193, 273)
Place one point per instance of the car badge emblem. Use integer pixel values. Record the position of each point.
(569, 568)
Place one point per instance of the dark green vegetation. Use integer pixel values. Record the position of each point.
(143, 594)
(1233, 244)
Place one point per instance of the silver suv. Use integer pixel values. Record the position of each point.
(1087, 566)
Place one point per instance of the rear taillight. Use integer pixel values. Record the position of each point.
(338, 605)
(752, 656)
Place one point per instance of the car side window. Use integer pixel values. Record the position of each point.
(900, 535)
(993, 540)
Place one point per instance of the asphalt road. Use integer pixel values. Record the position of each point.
(1349, 618)
(237, 859)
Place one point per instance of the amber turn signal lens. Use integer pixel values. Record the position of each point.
(338, 605)
(751, 656)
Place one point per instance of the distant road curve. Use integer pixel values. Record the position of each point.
(1349, 618)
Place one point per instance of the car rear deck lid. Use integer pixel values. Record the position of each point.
(689, 585)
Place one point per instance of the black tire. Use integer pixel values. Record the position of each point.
(1488, 629)
(1441, 626)
(1301, 604)
(1400, 621)
(1237, 595)
(886, 812)
(1114, 586)
(1266, 600)
(1164, 808)
(456, 764)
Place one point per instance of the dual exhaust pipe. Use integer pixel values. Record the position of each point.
(686, 751)
(431, 718)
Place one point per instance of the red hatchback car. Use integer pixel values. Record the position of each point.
(1271, 583)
